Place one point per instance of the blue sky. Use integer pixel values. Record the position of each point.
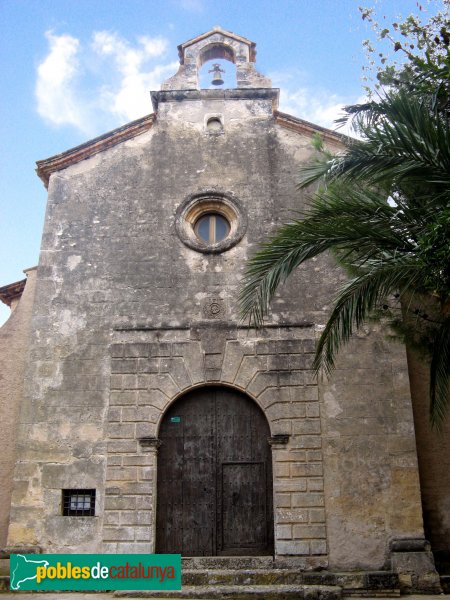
(73, 69)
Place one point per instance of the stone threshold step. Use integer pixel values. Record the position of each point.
(228, 562)
(363, 580)
(236, 592)
(370, 594)
(242, 576)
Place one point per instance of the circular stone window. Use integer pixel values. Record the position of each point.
(212, 228)
(210, 222)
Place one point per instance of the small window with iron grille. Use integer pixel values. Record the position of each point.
(78, 503)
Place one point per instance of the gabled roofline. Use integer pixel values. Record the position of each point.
(302, 126)
(74, 155)
(217, 29)
(70, 157)
(12, 291)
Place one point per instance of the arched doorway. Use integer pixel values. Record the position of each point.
(214, 476)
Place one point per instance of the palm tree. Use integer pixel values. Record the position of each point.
(383, 209)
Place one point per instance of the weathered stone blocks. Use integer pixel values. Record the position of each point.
(251, 365)
(122, 334)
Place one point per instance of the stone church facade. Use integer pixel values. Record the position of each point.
(152, 418)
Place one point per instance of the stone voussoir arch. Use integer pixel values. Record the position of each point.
(209, 384)
(151, 371)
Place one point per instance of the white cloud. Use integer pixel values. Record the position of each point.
(56, 77)
(320, 107)
(105, 82)
(153, 46)
(128, 96)
(100, 84)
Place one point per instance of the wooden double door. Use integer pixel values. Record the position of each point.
(214, 477)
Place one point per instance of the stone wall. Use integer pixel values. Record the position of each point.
(371, 472)
(272, 367)
(122, 328)
(14, 346)
(434, 461)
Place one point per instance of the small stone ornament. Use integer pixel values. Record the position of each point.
(214, 308)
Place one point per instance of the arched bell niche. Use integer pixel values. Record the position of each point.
(227, 73)
(236, 54)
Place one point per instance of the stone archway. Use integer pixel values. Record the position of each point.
(214, 490)
(216, 51)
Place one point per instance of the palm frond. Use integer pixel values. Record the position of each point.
(385, 247)
(358, 299)
(403, 138)
(268, 268)
(370, 110)
(358, 224)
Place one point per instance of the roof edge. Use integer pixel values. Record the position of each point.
(302, 126)
(44, 168)
(217, 29)
(12, 291)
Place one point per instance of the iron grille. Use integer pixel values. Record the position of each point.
(78, 503)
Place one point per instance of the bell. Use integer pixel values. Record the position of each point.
(217, 79)
(216, 70)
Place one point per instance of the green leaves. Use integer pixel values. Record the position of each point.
(434, 253)
(413, 54)
(402, 139)
(359, 298)
(383, 209)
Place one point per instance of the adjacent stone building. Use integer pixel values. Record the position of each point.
(152, 418)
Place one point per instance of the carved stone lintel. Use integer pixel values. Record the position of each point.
(279, 439)
(150, 443)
